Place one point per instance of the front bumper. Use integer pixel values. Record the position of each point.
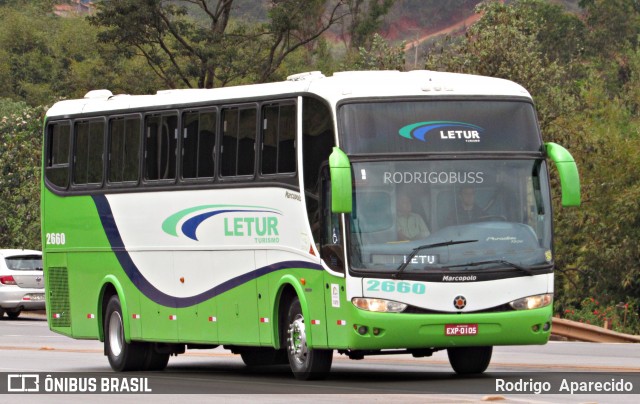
(418, 331)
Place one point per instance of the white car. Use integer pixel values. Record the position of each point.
(21, 282)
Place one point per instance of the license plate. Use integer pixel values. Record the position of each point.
(452, 330)
(34, 297)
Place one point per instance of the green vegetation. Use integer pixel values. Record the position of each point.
(20, 143)
(584, 74)
(581, 66)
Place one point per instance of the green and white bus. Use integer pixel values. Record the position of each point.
(365, 213)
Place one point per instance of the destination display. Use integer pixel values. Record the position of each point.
(439, 126)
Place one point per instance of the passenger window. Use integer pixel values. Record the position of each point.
(59, 141)
(89, 147)
(238, 141)
(124, 149)
(278, 139)
(198, 144)
(161, 137)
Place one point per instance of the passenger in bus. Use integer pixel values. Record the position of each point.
(466, 209)
(409, 225)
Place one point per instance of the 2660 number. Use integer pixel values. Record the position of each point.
(374, 285)
(56, 239)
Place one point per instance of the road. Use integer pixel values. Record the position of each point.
(27, 346)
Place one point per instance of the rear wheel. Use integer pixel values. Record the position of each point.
(470, 360)
(13, 314)
(155, 360)
(305, 363)
(1, 313)
(123, 355)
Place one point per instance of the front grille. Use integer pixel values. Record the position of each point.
(418, 310)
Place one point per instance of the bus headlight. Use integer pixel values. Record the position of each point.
(532, 302)
(379, 305)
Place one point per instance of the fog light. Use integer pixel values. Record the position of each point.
(362, 330)
(536, 328)
(546, 326)
(376, 331)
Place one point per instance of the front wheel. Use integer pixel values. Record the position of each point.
(470, 360)
(123, 356)
(306, 364)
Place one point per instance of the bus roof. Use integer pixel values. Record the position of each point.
(340, 86)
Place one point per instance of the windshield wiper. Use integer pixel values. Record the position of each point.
(526, 270)
(406, 263)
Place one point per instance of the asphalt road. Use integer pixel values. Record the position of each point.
(28, 347)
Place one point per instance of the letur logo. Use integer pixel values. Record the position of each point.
(258, 222)
(445, 130)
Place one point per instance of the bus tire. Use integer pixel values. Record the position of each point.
(306, 364)
(123, 356)
(263, 356)
(155, 360)
(470, 360)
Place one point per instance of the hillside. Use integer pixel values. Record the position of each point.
(419, 20)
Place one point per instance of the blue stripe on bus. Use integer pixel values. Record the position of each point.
(150, 291)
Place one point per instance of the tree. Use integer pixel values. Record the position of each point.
(213, 49)
(20, 151)
(505, 43)
(380, 56)
(542, 48)
(44, 57)
(613, 25)
(365, 19)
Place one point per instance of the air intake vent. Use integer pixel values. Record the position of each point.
(306, 76)
(98, 94)
(58, 291)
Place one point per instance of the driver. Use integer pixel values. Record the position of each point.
(410, 225)
(466, 210)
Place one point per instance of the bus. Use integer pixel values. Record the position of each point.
(365, 213)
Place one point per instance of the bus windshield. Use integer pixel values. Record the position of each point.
(456, 214)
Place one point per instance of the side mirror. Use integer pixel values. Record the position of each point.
(340, 169)
(569, 177)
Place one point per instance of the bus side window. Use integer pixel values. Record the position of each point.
(198, 144)
(317, 139)
(124, 149)
(88, 153)
(161, 133)
(278, 139)
(58, 145)
(238, 141)
(317, 145)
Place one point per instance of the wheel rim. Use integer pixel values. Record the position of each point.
(115, 333)
(298, 340)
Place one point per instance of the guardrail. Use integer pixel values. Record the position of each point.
(589, 333)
